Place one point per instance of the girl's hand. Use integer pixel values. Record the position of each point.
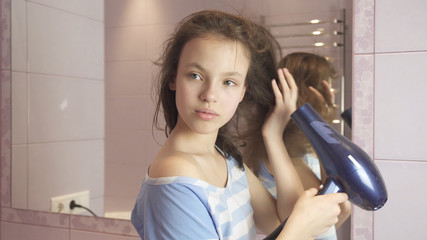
(329, 98)
(313, 215)
(286, 92)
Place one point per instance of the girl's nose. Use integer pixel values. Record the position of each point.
(209, 94)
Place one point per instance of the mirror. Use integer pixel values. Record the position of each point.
(81, 104)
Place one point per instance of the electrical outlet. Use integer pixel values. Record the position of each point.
(61, 204)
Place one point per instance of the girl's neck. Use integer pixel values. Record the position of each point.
(186, 140)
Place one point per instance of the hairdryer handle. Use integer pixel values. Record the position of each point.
(273, 235)
(328, 187)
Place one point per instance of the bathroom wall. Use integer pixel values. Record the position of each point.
(57, 101)
(390, 54)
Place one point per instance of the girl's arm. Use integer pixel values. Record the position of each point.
(288, 183)
(311, 215)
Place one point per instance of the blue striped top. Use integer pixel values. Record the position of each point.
(189, 208)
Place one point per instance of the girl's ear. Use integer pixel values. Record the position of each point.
(172, 84)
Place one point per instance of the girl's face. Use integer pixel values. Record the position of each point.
(210, 83)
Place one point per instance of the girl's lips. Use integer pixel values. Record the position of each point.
(206, 114)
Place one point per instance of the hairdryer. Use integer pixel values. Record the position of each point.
(346, 116)
(348, 168)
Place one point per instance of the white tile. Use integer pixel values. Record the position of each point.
(65, 109)
(63, 44)
(56, 169)
(400, 128)
(91, 9)
(19, 177)
(403, 216)
(19, 35)
(19, 108)
(400, 25)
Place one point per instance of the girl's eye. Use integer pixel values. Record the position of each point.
(229, 83)
(195, 76)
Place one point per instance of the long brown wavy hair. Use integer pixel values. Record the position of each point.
(308, 70)
(261, 45)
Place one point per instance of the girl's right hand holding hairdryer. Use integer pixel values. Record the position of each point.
(312, 215)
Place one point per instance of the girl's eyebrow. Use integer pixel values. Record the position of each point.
(199, 67)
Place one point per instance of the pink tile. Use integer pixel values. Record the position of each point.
(120, 204)
(406, 31)
(19, 36)
(276, 7)
(128, 78)
(19, 176)
(83, 235)
(129, 112)
(35, 218)
(363, 108)
(19, 108)
(168, 12)
(155, 39)
(404, 214)
(130, 13)
(363, 38)
(5, 34)
(103, 225)
(400, 128)
(124, 179)
(6, 142)
(129, 146)
(128, 43)
(362, 224)
(24, 231)
(362, 131)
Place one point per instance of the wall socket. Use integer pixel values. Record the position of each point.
(61, 204)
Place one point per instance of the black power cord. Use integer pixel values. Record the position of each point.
(73, 205)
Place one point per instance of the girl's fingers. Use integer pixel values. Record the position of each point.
(282, 80)
(289, 79)
(276, 91)
(318, 95)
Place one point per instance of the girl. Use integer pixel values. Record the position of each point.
(312, 74)
(197, 187)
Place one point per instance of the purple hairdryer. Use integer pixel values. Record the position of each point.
(348, 168)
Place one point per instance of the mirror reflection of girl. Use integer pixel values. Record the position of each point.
(313, 75)
(197, 187)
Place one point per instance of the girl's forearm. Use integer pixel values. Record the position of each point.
(288, 183)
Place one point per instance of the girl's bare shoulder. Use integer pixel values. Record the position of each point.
(174, 163)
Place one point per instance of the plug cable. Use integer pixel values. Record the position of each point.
(73, 205)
